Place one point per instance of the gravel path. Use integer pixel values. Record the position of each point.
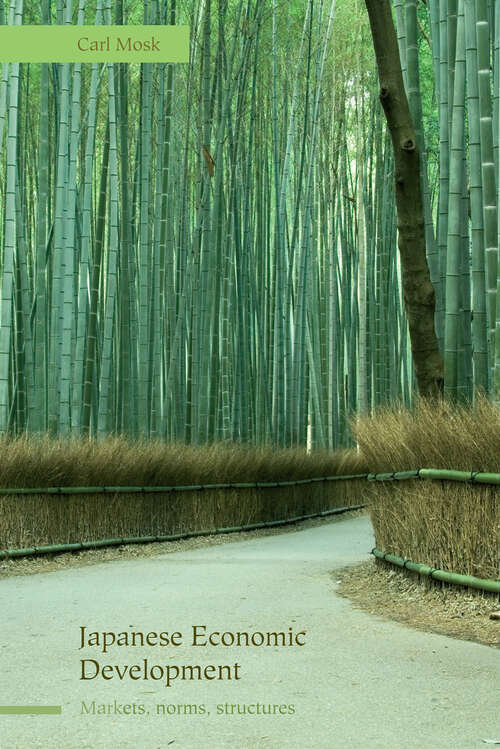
(357, 681)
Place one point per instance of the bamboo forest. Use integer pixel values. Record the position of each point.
(208, 251)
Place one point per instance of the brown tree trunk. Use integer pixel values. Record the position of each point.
(417, 287)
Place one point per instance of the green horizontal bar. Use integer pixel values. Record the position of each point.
(53, 547)
(486, 478)
(66, 490)
(100, 544)
(434, 473)
(491, 586)
(348, 476)
(30, 709)
(26, 552)
(67, 43)
(381, 477)
(250, 527)
(438, 474)
(138, 540)
(424, 473)
(403, 475)
(230, 529)
(339, 510)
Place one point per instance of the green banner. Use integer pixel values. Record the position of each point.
(30, 709)
(94, 43)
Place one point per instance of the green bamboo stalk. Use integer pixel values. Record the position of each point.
(85, 252)
(70, 300)
(126, 420)
(444, 165)
(91, 369)
(401, 34)
(38, 407)
(453, 295)
(9, 246)
(487, 169)
(479, 322)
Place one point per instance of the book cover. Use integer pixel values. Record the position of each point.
(200, 289)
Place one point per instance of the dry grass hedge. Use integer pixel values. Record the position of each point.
(50, 519)
(446, 525)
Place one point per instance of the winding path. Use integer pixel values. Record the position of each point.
(358, 681)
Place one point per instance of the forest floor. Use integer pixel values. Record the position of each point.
(383, 591)
(361, 680)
